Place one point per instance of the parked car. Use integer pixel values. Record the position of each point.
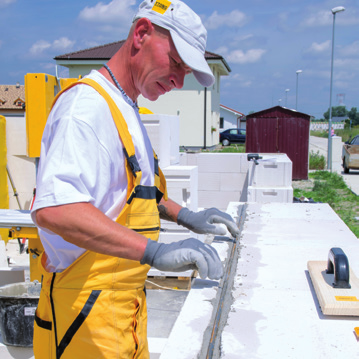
(232, 135)
(350, 154)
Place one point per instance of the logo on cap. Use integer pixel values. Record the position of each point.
(161, 6)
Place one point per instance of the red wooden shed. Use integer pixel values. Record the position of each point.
(281, 130)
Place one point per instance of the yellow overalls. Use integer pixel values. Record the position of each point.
(96, 308)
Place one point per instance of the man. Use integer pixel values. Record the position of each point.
(100, 193)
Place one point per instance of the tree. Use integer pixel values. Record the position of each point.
(353, 114)
(337, 111)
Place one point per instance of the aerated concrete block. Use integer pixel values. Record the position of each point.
(10, 275)
(220, 200)
(209, 181)
(270, 194)
(182, 185)
(163, 132)
(219, 162)
(272, 170)
(230, 182)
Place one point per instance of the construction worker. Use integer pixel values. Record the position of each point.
(100, 195)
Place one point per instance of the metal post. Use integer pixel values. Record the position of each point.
(296, 92)
(329, 157)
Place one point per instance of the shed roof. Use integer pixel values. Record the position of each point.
(11, 96)
(105, 52)
(278, 111)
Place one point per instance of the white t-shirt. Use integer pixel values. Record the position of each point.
(82, 160)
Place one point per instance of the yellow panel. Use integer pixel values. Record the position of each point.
(4, 191)
(40, 90)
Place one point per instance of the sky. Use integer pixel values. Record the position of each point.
(264, 42)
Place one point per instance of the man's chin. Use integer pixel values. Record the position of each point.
(151, 97)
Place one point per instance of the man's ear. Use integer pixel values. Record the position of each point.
(143, 28)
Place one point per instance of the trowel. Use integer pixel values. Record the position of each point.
(335, 284)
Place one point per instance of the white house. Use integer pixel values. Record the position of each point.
(230, 118)
(198, 107)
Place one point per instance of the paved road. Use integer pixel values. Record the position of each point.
(321, 144)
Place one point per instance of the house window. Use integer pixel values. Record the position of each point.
(19, 102)
(221, 122)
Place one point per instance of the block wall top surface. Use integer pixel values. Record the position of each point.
(273, 284)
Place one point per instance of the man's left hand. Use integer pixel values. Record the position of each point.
(207, 221)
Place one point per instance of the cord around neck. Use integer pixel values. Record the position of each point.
(127, 98)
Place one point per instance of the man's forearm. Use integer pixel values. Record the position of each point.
(87, 227)
(169, 210)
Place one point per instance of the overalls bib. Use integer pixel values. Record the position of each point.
(96, 308)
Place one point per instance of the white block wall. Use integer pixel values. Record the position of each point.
(222, 177)
(270, 194)
(182, 187)
(271, 179)
(272, 170)
(163, 131)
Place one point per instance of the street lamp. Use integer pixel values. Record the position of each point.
(329, 159)
(296, 92)
(279, 101)
(286, 92)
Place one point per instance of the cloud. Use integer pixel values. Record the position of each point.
(346, 63)
(321, 18)
(316, 47)
(325, 18)
(242, 57)
(237, 79)
(235, 18)
(61, 44)
(39, 47)
(4, 3)
(350, 50)
(111, 12)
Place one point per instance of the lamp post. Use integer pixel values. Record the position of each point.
(329, 159)
(296, 92)
(286, 92)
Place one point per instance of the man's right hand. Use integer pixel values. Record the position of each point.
(184, 255)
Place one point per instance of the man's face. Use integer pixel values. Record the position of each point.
(161, 68)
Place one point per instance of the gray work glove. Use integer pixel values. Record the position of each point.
(184, 255)
(206, 221)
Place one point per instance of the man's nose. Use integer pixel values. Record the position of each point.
(177, 77)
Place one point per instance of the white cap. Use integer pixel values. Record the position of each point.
(187, 32)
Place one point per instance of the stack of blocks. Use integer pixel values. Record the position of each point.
(222, 177)
(182, 181)
(203, 180)
(271, 179)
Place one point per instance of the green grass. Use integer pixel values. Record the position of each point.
(345, 134)
(233, 148)
(330, 188)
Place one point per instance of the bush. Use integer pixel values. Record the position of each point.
(316, 161)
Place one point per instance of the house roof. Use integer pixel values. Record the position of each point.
(231, 110)
(105, 52)
(11, 96)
